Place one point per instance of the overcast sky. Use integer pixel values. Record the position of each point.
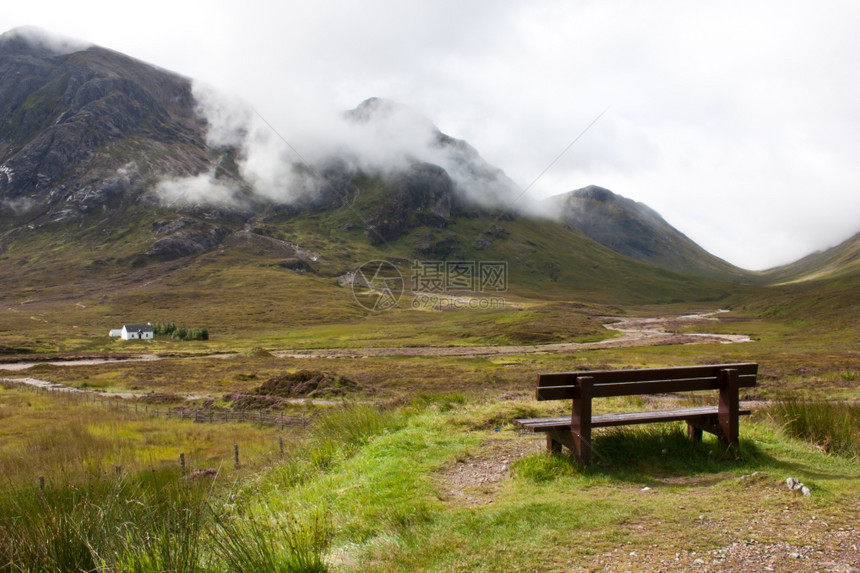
(739, 122)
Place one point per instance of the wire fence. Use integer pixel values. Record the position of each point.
(199, 415)
(188, 470)
(187, 466)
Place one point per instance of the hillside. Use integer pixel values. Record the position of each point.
(636, 230)
(839, 261)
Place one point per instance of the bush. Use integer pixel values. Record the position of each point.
(180, 332)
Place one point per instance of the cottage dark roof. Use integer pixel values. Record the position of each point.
(136, 327)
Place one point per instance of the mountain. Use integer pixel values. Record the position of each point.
(114, 194)
(634, 229)
(81, 127)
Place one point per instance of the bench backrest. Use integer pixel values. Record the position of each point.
(564, 386)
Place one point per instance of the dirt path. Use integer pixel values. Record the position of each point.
(639, 331)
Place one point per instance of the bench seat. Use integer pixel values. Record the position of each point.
(625, 418)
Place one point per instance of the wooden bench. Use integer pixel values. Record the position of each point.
(574, 431)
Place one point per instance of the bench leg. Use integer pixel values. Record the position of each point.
(580, 421)
(711, 424)
(694, 433)
(727, 411)
(555, 439)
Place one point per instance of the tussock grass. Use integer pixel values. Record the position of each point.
(377, 489)
(148, 522)
(832, 426)
(153, 522)
(272, 542)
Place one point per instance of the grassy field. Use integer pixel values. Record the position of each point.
(411, 462)
(441, 483)
(418, 468)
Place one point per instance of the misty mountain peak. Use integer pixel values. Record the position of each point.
(596, 193)
(383, 110)
(635, 230)
(31, 39)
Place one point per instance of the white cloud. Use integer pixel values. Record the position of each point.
(201, 189)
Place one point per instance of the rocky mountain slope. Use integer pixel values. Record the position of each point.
(636, 230)
(82, 126)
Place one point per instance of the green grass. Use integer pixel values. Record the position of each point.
(69, 441)
(411, 488)
(833, 427)
(389, 512)
(158, 520)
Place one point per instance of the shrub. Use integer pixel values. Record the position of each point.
(180, 332)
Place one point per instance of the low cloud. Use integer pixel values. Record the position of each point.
(35, 36)
(280, 164)
(19, 205)
(203, 189)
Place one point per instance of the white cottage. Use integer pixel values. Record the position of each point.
(136, 332)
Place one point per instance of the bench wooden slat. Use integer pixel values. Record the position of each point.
(624, 418)
(661, 386)
(747, 372)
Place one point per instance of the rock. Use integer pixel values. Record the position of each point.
(181, 244)
(441, 248)
(74, 118)
(482, 243)
(795, 485)
(423, 196)
(297, 265)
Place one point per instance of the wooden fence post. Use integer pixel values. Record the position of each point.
(182, 463)
(281, 439)
(236, 455)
